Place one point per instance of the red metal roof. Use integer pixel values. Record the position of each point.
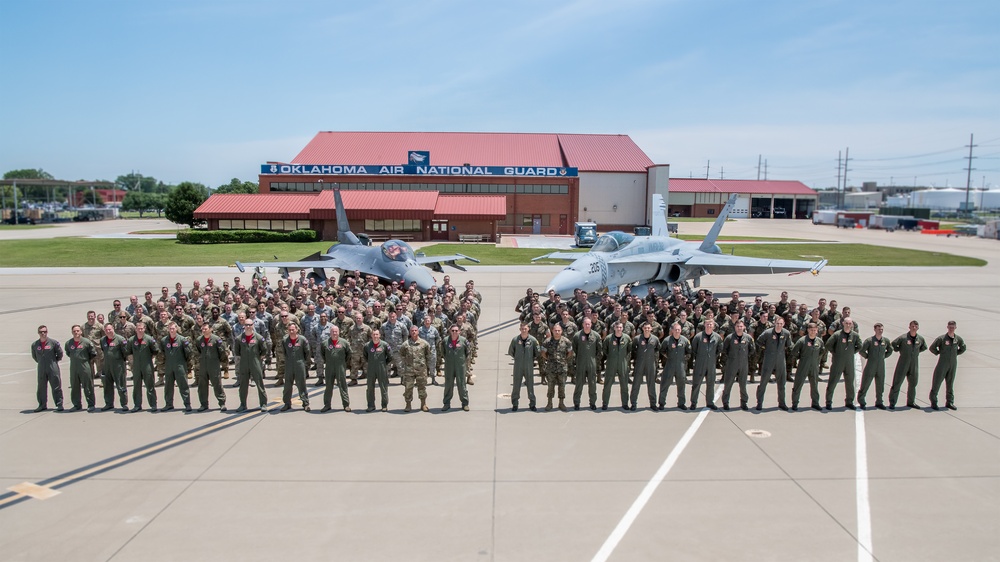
(458, 207)
(589, 153)
(378, 205)
(603, 153)
(779, 187)
(256, 206)
(360, 205)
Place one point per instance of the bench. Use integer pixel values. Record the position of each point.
(463, 238)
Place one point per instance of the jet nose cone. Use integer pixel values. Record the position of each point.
(566, 281)
(421, 276)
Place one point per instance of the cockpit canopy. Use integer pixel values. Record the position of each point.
(397, 250)
(612, 241)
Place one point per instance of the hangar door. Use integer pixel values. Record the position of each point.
(741, 210)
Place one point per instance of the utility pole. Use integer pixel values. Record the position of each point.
(847, 158)
(722, 173)
(968, 177)
(758, 167)
(15, 202)
(840, 153)
(765, 169)
(707, 166)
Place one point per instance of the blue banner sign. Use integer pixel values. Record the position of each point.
(380, 170)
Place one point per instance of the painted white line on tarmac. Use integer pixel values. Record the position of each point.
(640, 502)
(861, 478)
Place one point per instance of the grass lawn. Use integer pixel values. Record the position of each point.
(94, 252)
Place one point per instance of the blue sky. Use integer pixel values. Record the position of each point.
(208, 90)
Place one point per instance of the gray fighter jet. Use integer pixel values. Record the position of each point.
(659, 261)
(392, 261)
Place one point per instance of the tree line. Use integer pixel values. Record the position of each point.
(144, 194)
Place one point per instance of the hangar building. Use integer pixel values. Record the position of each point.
(484, 184)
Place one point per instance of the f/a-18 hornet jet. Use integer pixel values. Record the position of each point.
(394, 260)
(659, 261)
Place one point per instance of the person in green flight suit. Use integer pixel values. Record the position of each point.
(909, 346)
(177, 352)
(113, 373)
(705, 347)
(737, 350)
(947, 347)
(842, 345)
(81, 353)
(874, 350)
(297, 353)
(617, 358)
(773, 343)
(143, 349)
(587, 349)
(47, 353)
(456, 352)
(336, 354)
(251, 348)
(212, 352)
(378, 357)
(524, 349)
(807, 351)
(675, 350)
(645, 353)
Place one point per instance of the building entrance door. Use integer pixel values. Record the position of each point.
(439, 230)
(563, 224)
(536, 224)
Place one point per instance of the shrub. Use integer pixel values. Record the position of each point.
(243, 236)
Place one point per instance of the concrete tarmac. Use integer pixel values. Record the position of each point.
(491, 484)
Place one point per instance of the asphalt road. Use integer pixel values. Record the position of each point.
(495, 485)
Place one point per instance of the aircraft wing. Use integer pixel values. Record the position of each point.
(721, 264)
(328, 263)
(653, 257)
(436, 262)
(561, 256)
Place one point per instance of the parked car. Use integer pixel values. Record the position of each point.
(21, 219)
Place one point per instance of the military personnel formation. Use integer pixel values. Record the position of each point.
(339, 333)
(359, 329)
(658, 341)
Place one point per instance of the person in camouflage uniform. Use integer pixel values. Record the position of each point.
(417, 360)
(92, 330)
(557, 352)
(358, 337)
(394, 333)
(224, 330)
(468, 331)
(432, 336)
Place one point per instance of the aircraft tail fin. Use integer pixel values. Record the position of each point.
(344, 234)
(708, 243)
(659, 216)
